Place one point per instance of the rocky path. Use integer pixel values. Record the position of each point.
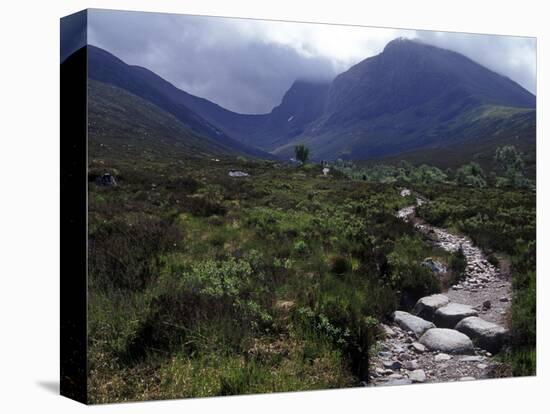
(450, 336)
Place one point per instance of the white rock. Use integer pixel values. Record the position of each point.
(472, 358)
(486, 335)
(233, 173)
(449, 315)
(417, 375)
(411, 365)
(412, 323)
(400, 381)
(442, 357)
(426, 306)
(418, 347)
(387, 330)
(447, 340)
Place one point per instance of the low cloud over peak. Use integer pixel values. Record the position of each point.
(247, 65)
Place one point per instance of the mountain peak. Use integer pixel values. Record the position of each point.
(402, 42)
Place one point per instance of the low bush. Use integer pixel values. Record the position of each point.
(127, 253)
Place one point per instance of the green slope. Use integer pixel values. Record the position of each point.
(124, 126)
(474, 134)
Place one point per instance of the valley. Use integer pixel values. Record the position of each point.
(252, 253)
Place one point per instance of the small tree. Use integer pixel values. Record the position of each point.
(511, 163)
(471, 175)
(302, 153)
(509, 160)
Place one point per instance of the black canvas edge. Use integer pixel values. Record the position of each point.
(73, 219)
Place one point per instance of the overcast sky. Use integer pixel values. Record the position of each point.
(247, 65)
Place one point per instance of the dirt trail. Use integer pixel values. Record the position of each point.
(402, 359)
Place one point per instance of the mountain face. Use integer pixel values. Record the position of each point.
(108, 69)
(303, 103)
(123, 125)
(408, 74)
(411, 97)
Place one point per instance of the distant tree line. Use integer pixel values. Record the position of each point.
(509, 172)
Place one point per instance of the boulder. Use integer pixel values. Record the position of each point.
(412, 323)
(389, 332)
(425, 307)
(234, 173)
(393, 365)
(106, 180)
(411, 365)
(474, 358)
(442, 357)
(447, 340)
(486, 335)
(449, 315)
(398, 381)
(417, 375)
(434, 265)
(418, 347)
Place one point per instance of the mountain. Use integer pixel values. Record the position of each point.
(412, 96)
(140, 82)
(301, 104)
(122, 125)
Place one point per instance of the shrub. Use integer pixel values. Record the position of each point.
(240, 379)
(493, 259)
(202, 207)
(300, 247)
(302, 153)
(339, 264)
(127, 253)
(183, 184)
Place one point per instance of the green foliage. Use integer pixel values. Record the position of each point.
(218, 278)
(402, 174)
(471, 175)
(458, 261)
(302, 153)
(126, 253)
(501, 220)
(493, 259)
(509, 159)
(339, 264)
(300, 247)
(457, 265)
(510, 163)
(271, 284)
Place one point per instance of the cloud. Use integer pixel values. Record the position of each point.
(247, 65)
(510, 56)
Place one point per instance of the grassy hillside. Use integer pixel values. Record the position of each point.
(124, 126)
(495, 127)
(503, 222)
(474, 134)
(202, 284)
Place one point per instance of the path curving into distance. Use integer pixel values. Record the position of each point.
(450, 336)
